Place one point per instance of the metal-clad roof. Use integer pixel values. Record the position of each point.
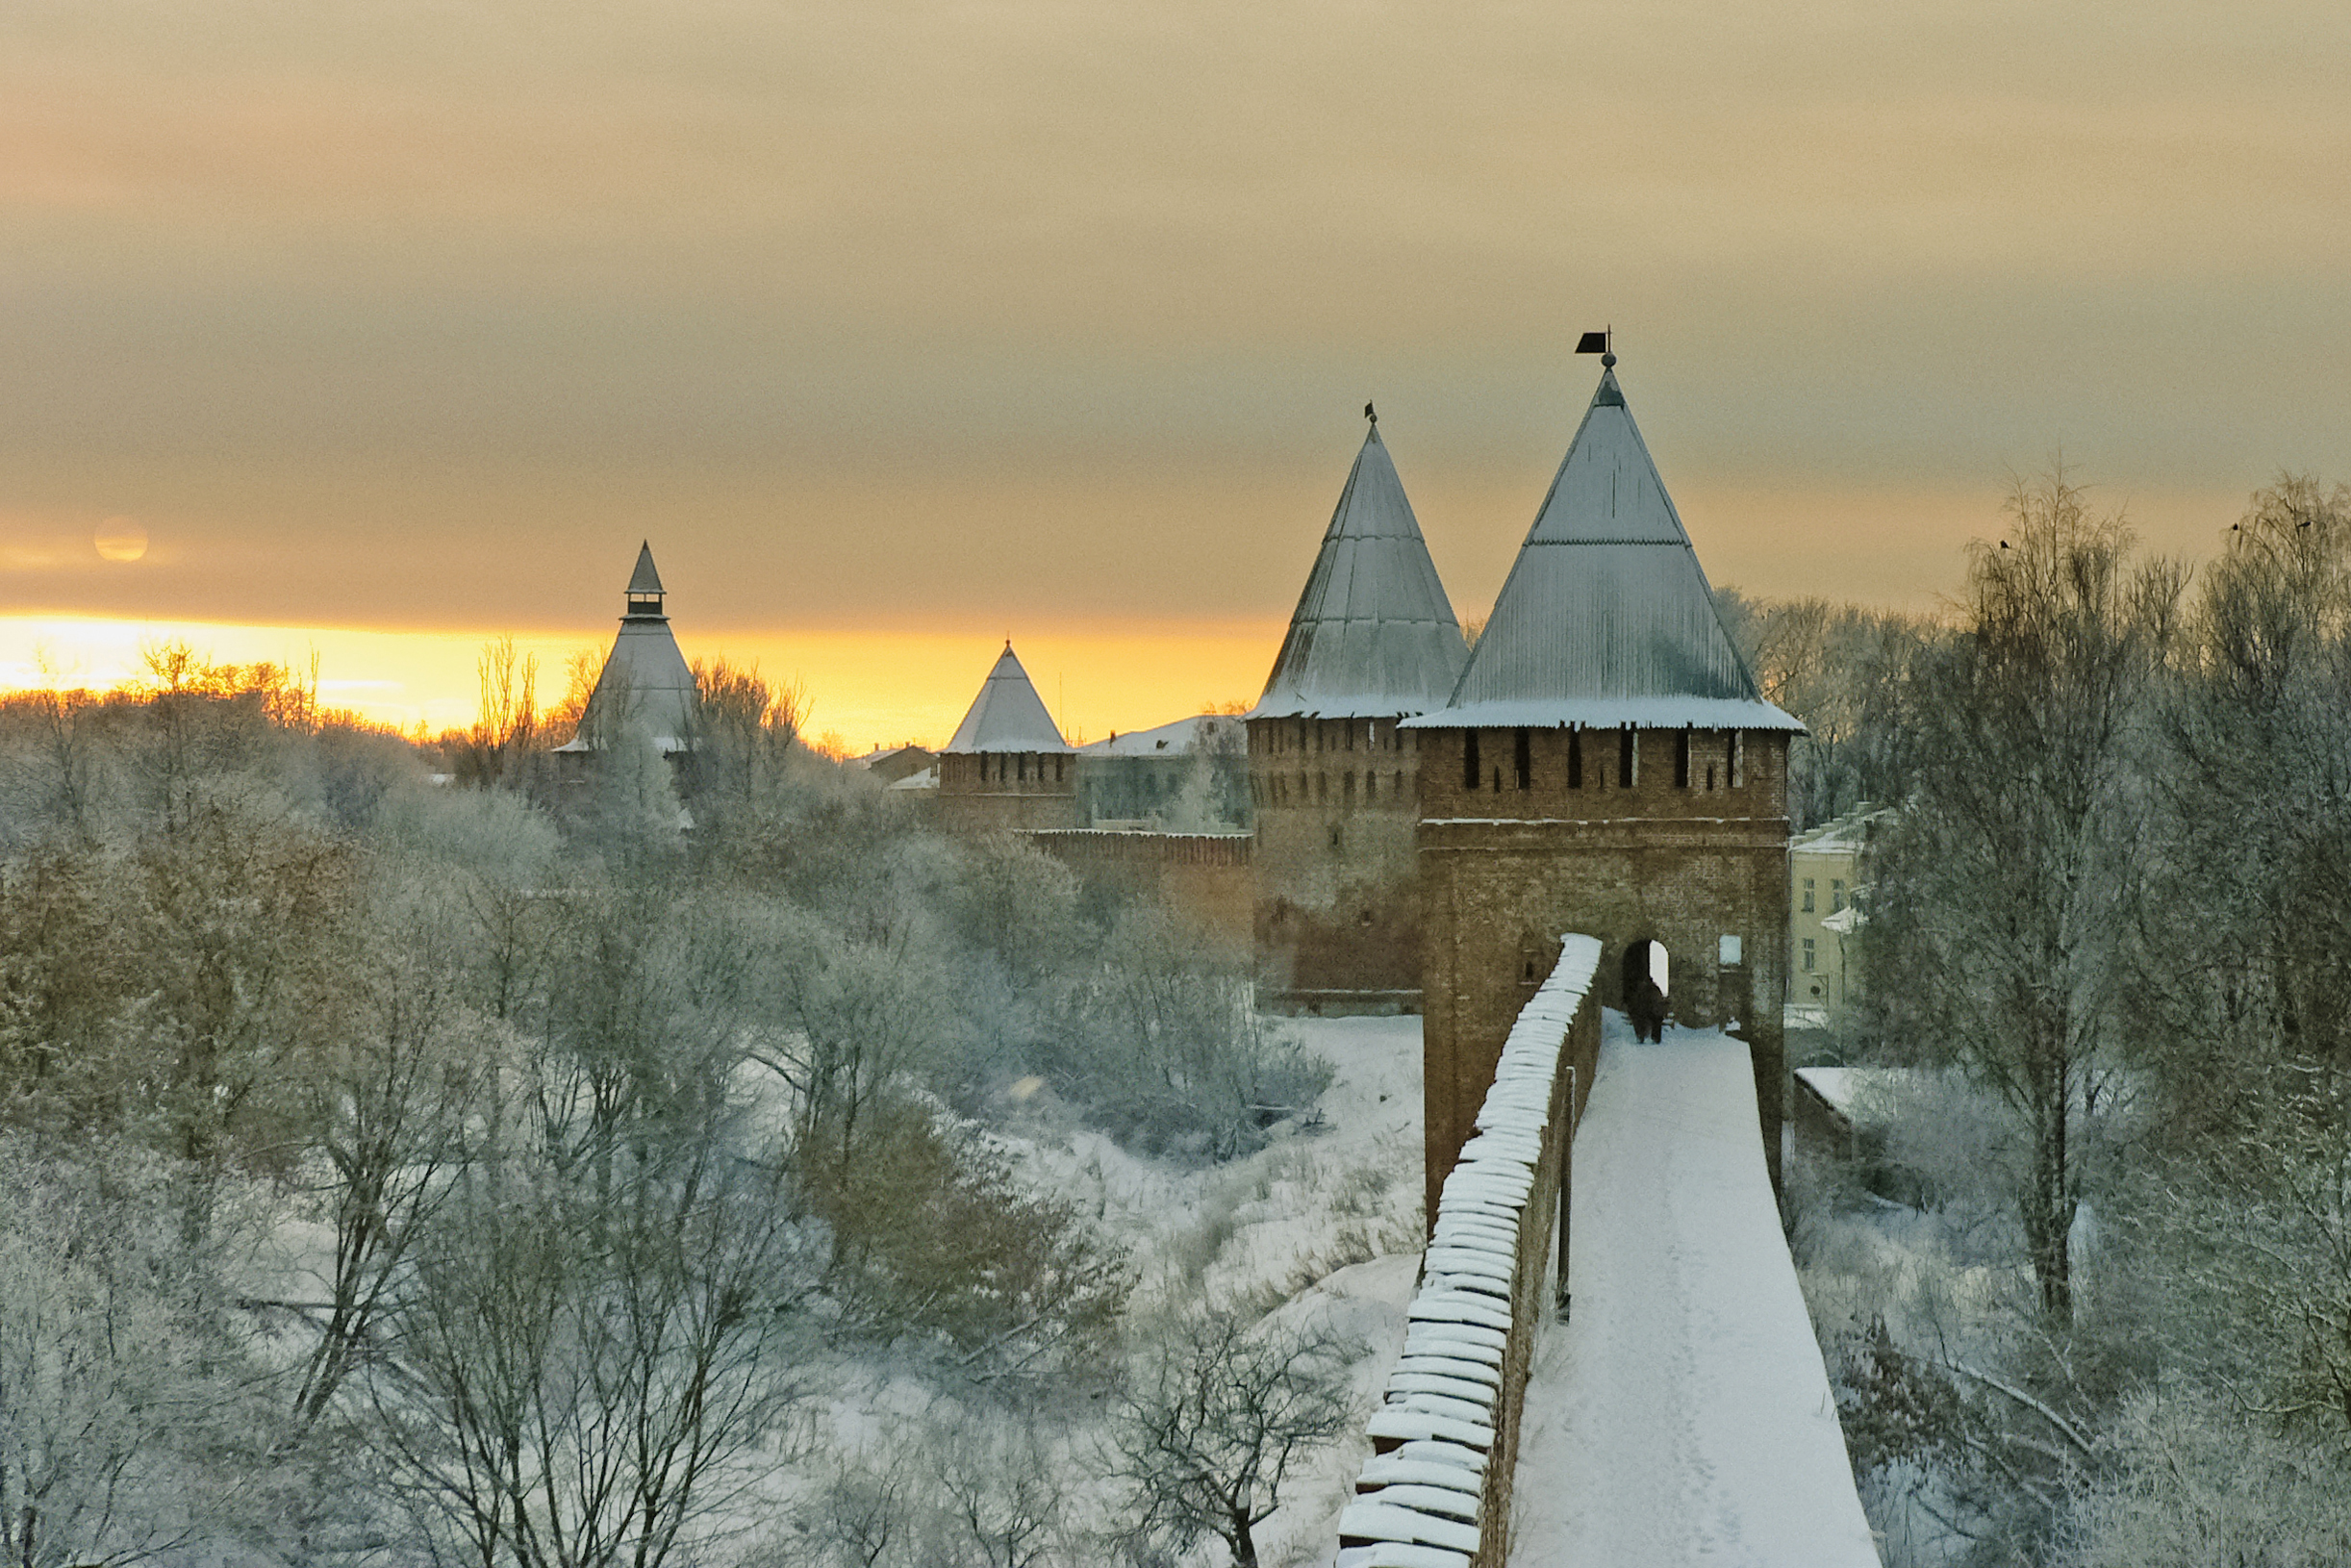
(1008, 715)
(644, 683)
(645, 579)
(1607, 616)
(1374, 633)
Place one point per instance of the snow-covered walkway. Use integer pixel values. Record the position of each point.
(1682, 1416)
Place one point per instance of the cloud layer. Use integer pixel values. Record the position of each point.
(970, 316)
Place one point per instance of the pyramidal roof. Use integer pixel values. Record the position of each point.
(1008, 715)
(645, 579)
(1606, 618)
(646, 682)
(1373, 634)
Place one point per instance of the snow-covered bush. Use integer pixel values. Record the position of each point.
(932, 1231)
(2188, 1482)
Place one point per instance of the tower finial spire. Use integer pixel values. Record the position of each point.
(1371, 414)
(1602, 343)
(644, 590)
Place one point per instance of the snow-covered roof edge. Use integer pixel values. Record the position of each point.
(1610, 713)
(1178, 737)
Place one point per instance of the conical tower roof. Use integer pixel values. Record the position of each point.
(1008, 715)
(1373, 634)
(645, 681)
(1606, 618)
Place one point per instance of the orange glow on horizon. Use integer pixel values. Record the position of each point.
(867, 687)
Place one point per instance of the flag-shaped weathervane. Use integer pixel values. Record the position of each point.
(1602, 343)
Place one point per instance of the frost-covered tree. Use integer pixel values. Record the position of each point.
(2003, 893)
(2243, 947)
(1218, 1414)
(2188, 1482)
(132, 1417)
(577, 1378)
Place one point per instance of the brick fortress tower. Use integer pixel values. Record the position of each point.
(1007, 768)
(1606, 765)
(1331, 775)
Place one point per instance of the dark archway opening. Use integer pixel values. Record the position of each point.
(1648, 974)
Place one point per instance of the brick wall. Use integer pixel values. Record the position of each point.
(1337, 916)
(1006, 791)
(1205, 880)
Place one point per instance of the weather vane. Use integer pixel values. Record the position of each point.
(1371, 414)
(1602, 343)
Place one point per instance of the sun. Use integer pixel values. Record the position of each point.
(120, 538)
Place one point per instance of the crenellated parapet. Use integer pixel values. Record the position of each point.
(1436, 1492)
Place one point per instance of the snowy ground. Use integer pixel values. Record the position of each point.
(1682, 1416)
(1325, 1220)
(1331, 1213)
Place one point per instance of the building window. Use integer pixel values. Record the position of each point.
(1400, 784)
(1371, 787)
(1807, 896)
(1627, 757)
(1681, 759)
(1738, 759)
(1837, 896)
(1347, 785)
(1575, 759)
(1522, 759)
(1809, 956)
(1468, 759)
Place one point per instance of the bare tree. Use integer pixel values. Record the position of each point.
(507, 730)
(578, 1379)
(394, 1105)
(2006, 888)
(1216, 1417)
(999, 1488)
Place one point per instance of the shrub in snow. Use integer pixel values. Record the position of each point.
(931, 1230)
(2188, 1482)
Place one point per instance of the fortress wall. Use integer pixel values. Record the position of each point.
(1445, 1441)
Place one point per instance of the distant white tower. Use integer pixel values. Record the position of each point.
(645, 681)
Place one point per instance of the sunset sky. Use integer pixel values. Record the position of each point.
(378, 328)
